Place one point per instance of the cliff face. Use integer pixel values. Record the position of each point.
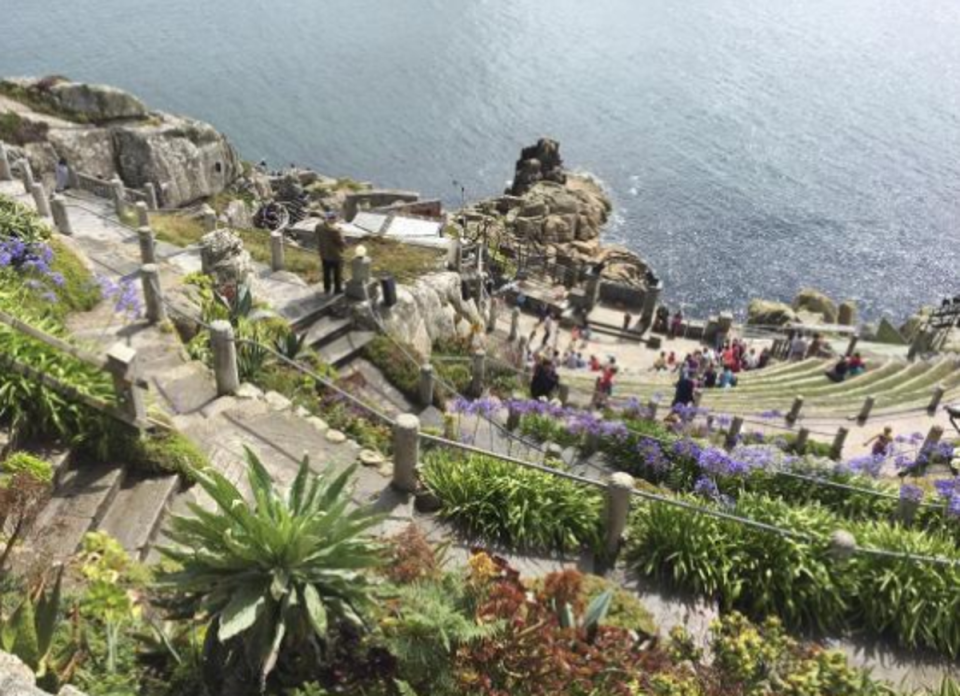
(105, 132)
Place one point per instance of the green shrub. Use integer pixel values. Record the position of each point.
(548, 429)
(26, 463)
(501, 502)
(798, 579)
(80, 292)
(397, 368)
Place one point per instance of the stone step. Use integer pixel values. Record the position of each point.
(186, 389)
(379, 390)
(75, 508)
(345, 347)
(134, 516)
(325, 330)
(303, 312)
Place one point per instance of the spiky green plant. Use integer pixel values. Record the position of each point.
(278, 575)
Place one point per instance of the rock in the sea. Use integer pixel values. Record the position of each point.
(540, 162)
(816, 302)
(768, 313)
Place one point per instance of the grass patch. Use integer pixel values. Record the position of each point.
(39, 101)
(16, 130)
(403, 261)
(80, 292)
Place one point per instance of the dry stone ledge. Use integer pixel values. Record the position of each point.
(815, 302)
(335, 437)
(16, 679)
(768, 313)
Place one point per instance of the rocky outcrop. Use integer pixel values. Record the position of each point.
(429, 310)
(540, 162)
(767, 313)
(104, 132)
(554, 213)
(222, 255)
(817, 303)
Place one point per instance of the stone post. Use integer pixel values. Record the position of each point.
(6, 173)
(455, 255)
(800, 444)
(208, 218)
(119, 192)
(513, 415)
(651, 298)
(563, 393)
(847, 313)
(935, 399)
(40, 199)
(123, 367)
(478, 370)
(514, 324)
(697, 397)
(522, 352)
(26, 175)
(852, 345)
(277, 261)
(733, 433)
(917, 345)
(492, 311)
(652, 407)
(593, 291)
(865, 410)
(143, 214)
(148, 247)
(151, 191)
(152, 293)
(406, 452)
(61, 218)
(224, 345)
(795, 409)
(619, 493)
(360, 274)
(427, 385)
(932, 439)
(836, 450)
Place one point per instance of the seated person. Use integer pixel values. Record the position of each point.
(727, 379)
(856, 365)
(594, 364)
(839, 371)
(710, 377)
(660, 364)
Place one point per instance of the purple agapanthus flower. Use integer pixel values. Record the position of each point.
(911, 493)
(867, 465)
(706, 487)
(953, 506)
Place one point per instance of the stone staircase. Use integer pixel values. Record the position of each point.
(327, 326)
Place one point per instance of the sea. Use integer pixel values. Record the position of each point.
(751, 147)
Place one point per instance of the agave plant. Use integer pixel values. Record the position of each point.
(278, 575)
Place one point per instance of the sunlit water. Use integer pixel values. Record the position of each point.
(752, 146)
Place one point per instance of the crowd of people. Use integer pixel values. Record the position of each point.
(710, 369)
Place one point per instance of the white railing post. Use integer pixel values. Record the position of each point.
(619, 492)
(40, 199)
(795, 409)
(427, 385)
(143, 214)
(123, 367)
(119, 192)
(61, 217)
(733, 433)
(151, 192)
(865, 410)
(406, 452)
(514, 324)
(152, 293)
(935, 399)
(26, 175)
(277, 262)
(6, 172)
(224, 345)
(478, 371)
(148, 247)
(836, 450)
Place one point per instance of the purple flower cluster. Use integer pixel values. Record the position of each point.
(706, 487)
(867, 465)
(486, 407)
(535, 407)
(947, 488)
(33, 258)
(653, 456)
(719, 463)
(772, 414)
(124, 295)
(911, 493)
(686, 448)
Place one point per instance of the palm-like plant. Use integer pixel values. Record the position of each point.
(275, 576)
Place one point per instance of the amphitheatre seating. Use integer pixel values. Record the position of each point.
(896, 385)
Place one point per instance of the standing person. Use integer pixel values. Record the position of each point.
(584, 335)
(683, 396)
(544, 381)
(547, 329)
(62, 175)
(798, 347)
(332, 245)
(881, 442)
(676, 326)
